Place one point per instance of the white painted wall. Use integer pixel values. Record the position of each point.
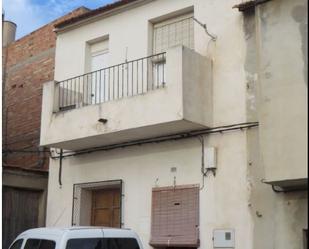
(131, 30)
(236, 196)
(223, 201)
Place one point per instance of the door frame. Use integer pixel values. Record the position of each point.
(79, 187)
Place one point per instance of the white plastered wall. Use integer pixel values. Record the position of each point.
(224, 200)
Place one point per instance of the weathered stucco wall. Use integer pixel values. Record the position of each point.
(283, 89)
(223, 201)
(279, 218)
(236, 198)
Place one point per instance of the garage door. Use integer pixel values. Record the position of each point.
(20, 208)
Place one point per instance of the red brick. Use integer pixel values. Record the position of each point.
(23, 93)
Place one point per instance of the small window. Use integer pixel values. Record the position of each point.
(40, 244)
(93, 243)
(172, 32)
(17, 244)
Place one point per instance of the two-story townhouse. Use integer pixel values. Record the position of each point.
(26, 64)
(184, 120)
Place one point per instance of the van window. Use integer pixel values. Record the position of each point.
(40, 244)
(120, 243)
(17, 244)
(93, 243)
(106, 243)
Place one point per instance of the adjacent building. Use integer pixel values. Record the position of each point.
(185, 120)
(27, 63)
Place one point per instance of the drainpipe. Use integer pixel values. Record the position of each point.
(60, 168)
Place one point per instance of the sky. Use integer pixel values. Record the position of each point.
(30, 15)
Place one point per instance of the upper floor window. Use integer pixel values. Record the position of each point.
(172, 32)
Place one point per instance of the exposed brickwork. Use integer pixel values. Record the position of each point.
(29, 62)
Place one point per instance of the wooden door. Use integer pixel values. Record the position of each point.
(106, 208)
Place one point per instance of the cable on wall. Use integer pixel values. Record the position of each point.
(201, 139)
(204, 26)
(160, 139)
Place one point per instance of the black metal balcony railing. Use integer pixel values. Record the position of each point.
(111, 83)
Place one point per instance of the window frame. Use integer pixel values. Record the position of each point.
(158, 26)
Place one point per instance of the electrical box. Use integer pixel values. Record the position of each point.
(224, 238)
(210, 158)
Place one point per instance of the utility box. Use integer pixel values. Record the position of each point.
(224, 238)
(210, 158)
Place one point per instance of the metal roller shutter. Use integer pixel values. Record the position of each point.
(175, 216)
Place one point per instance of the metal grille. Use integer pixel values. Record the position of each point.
(77, 194)
(177, 32)
(115, 82)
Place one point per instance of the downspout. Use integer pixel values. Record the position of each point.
(60, 169)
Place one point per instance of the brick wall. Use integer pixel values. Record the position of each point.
(29, 62)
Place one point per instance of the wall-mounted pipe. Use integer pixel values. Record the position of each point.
(60, 169)
(160, 139)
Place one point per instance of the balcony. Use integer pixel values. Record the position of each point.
(157, 95)
(113, 83)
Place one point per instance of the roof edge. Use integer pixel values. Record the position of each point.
(96, 13)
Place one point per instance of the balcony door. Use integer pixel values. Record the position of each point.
(98, 65)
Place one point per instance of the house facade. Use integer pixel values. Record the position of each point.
(27, 63)
(183, 120)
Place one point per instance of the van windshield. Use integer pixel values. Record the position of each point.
(106, 243)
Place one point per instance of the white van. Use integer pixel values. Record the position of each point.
(77, 238)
